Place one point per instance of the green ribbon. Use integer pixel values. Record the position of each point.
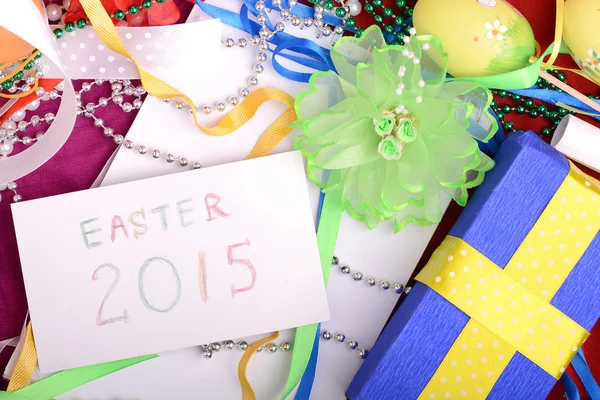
(329, 226)
(327, 234)
(69, 379)
(523, 78)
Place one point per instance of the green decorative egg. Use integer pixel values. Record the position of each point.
(582, 34)
(481, 37)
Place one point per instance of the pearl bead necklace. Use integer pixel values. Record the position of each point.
(12, 186)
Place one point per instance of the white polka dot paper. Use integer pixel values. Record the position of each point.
(159, 49)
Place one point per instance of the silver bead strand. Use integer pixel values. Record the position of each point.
(397, 288)
(341, 338)
(208, 350)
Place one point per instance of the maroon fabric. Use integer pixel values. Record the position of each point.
(73, 168)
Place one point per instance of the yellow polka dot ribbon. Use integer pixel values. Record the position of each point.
(509, 308)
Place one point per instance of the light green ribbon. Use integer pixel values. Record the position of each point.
(69, 379)
(329, 226)
(523, 78)
(327, 234)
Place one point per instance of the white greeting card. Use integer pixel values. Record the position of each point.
(170, 262)
(357, 309)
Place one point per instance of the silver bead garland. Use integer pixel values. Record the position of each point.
(341, 338)
(397, 288)
(208, 350)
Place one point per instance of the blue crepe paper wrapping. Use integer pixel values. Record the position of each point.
(498, 217)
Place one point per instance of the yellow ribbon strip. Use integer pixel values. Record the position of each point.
(509, 308)
(558, 31)
(230, 122)
(23, 372)
(247, 391)
(156, 87)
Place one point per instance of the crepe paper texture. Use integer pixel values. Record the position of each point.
(500, 215)
(108, 280)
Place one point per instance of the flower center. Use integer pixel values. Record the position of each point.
(397, 128)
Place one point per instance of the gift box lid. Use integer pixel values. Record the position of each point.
(495, 222)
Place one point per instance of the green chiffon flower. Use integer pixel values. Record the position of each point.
(394, 134)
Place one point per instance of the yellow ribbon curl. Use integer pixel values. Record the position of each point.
(103, 25)
(558, 33)
(23, 372)
(247, 391)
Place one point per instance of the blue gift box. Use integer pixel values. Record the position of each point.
(495, 222)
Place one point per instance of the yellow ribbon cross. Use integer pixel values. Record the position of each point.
(510, 308)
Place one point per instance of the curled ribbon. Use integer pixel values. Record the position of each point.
(25, 365)
(527, 77)
(247, 391)
(101, 21)
(309, 53)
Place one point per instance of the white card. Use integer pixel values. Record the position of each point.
(170, 262)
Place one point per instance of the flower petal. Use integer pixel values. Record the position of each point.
(359, 148)
(488, 26)
(375, 84)
(481, 124)
(499, 36)
(434, 66)
(349, 52)
(497, 23)
(503, 29)
(326, 90)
